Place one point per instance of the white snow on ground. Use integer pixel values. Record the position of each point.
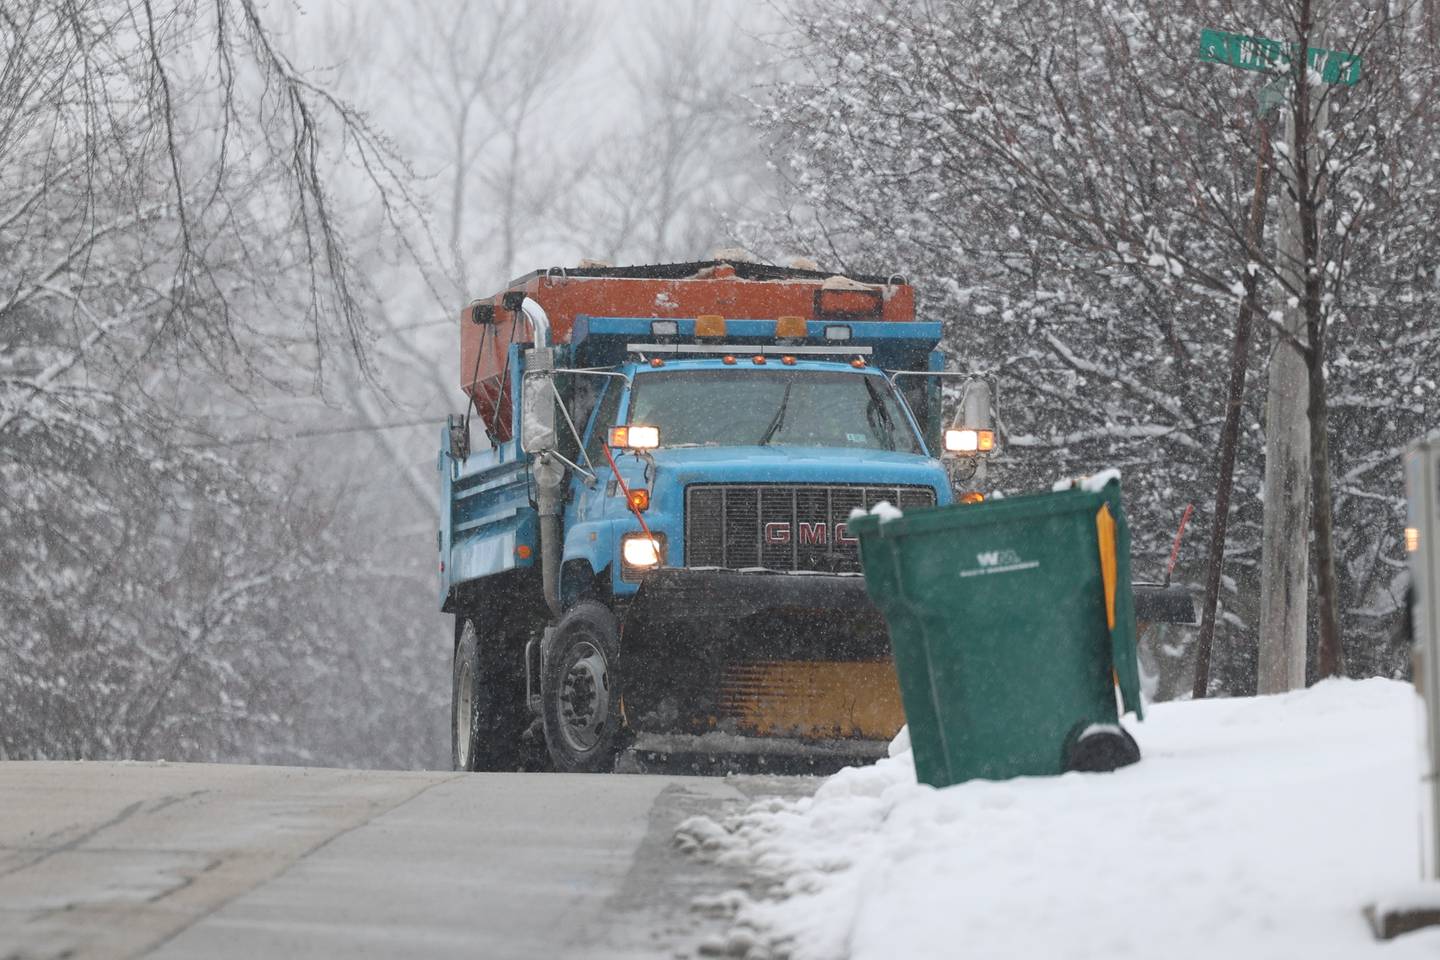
(1252, 828)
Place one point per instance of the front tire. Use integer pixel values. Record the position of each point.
(486, 715)
(580, 690)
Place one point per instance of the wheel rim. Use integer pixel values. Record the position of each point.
(584, 697)
(464, 711)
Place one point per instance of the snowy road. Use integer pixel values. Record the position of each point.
(188, 860)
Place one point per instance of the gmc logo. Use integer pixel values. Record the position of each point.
(778, 533)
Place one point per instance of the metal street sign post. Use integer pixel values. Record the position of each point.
(1422, 545)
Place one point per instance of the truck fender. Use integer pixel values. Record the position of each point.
(594, 544)
(580, 581)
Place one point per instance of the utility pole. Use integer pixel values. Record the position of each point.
(1294, 386)
(1285, 537)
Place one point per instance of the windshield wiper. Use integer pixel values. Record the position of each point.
(877, 403)
(774, 427)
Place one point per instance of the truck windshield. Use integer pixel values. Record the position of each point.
(782, 408)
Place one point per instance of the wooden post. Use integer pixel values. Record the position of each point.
(1285, 535)
(1230, 431)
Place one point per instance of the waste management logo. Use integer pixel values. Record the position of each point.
(999, 561)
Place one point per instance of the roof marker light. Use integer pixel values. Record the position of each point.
(788, 361)
(710, 325)
(858, 362)
(758, 360)
(729, 360)
(790, 328)
(656, 362)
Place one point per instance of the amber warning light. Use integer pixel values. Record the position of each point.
(790, 328)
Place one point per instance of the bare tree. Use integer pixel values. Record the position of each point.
(662, 183)
(174, 256)
(1076, 184)
(478, 73)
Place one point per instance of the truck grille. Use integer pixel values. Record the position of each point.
(782, 526)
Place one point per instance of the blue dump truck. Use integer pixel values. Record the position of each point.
(646, 552)
(644, 537)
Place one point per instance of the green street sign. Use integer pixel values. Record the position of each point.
(1270, 56)
(1272, 95)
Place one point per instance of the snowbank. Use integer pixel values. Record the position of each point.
(1253, 828)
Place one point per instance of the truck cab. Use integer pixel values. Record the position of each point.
(652, 555)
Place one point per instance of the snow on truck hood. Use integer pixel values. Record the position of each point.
(779, 464)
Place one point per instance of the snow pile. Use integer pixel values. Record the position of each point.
(1254, 827)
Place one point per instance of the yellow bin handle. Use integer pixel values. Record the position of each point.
(1105, 532)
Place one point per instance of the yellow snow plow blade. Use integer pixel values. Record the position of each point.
(811, 700)
(760, 665)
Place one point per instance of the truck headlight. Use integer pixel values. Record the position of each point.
(635, 437)
(640, 551)
(962, 441)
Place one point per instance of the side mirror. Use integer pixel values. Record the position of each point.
(970, 438)
(972, 432)
(537, 402)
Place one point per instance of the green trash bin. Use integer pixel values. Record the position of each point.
(1011, 622)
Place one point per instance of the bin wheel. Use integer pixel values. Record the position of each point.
(486, 717)
(580, 690)
(1092, 748)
